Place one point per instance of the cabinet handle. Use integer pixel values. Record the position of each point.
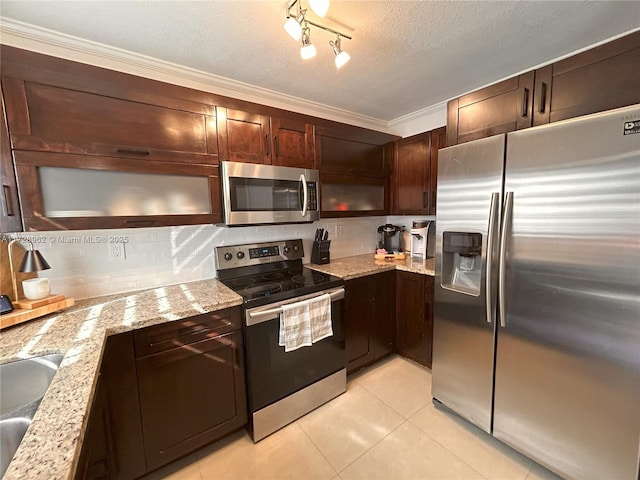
(195, 330)
(424, 200)
(525, 102)
(543, 98)
(277, 143)
(8, 200)
(266, 144)
(133, 151)
(140, 223)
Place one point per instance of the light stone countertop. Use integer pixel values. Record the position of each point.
(51, 446)
(356, 266)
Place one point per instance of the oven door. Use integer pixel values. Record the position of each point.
(258, 194)
(273, 374)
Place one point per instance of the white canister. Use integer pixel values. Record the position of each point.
(36, 288)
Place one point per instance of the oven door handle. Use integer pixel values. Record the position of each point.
(259, 316)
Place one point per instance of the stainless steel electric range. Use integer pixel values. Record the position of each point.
(283, 386)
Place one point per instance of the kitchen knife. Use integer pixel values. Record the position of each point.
(326, 236)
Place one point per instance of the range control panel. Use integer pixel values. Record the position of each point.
(234, 256)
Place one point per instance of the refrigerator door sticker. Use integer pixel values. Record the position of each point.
(631, 127)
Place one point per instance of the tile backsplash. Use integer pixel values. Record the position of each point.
(86, 264)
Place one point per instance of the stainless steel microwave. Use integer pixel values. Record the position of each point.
(255, 194)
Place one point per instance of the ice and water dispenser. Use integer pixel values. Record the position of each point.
(462, 262)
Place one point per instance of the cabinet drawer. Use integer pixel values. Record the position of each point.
(159, 338)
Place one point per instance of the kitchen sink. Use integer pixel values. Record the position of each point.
(23, 383)
(11, 432)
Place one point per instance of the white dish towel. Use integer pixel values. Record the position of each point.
(304, 323)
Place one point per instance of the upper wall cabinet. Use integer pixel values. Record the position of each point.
(293, 143)
(415, 173)
(10, 218)
(500, 108)
(254, 138)
(597, 80)
(354, 169)
(79, 115)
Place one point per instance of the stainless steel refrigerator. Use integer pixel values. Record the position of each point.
(537, 291)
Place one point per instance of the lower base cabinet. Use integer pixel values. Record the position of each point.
(414, 316)
(113, 445)
(369, 319)
(162, 393)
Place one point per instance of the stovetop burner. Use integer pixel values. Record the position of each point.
(272, 276)
(263, 290)
(243, 282)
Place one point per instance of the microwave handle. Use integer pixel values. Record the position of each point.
(305, 195)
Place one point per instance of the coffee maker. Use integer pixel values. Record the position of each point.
(423, 239)
(390, 238)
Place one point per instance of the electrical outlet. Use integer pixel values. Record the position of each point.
(116, 252)
(338, 230)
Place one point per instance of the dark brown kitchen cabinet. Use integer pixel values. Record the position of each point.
(293, 143)
(113, 447)
(499, 108)
(191, 383)
(414, 316)
(244, 136)
(63, 191)
(369, 319)
(597, 80)
(438, 141)
(253, 138)
(411, 176)
(351, 156)
(10, 218)
(77, 115)
(415, 173)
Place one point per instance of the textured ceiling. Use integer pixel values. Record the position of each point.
(405, 55)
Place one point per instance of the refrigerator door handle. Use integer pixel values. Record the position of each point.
(506, 220)
(493, 211)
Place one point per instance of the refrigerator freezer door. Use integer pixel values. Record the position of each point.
(567, 386)
(469, 177)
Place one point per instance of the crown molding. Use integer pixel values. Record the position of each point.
(419, 121)
(49, 42)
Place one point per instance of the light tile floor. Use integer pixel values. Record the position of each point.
(383, 427)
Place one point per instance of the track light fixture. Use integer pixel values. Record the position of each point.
(297, 26)
(342, 57)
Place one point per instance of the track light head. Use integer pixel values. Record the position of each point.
(319, 7)
(293, 28)
(342, 57)
(308, 49)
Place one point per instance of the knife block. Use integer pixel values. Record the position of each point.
(320, 252)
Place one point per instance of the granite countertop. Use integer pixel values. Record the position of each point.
(50, 448)
(361, 265)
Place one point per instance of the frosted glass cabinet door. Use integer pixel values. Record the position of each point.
(73, 192)
(80, 192)
(345, 196)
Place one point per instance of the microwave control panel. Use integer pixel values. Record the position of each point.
(312, 202)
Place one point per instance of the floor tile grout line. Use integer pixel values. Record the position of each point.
(450, 451)
(382, 400)
(372, 446)
(317, 447)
